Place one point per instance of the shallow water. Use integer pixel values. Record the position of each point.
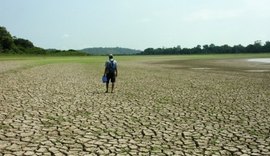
(257, 71)
(262, 60)
(201, 68)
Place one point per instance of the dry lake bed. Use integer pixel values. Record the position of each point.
(162, 105)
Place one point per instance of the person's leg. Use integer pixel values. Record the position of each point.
(107, 87)
(113, 81)
(112, 86)
(107, 83)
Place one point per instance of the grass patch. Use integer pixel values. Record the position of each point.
(41, 60)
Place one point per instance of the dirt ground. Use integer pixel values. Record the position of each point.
(192, 107)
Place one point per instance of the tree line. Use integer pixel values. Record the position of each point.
(12, 45)
(110, 50)
(257, 47)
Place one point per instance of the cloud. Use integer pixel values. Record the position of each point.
(247, 9)
(144, 20)
(212, 15)
(258, 8)
(65, 36)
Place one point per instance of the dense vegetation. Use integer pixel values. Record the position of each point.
(257, 47)
(14, 45)
(104, 51)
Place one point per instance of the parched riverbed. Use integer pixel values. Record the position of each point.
(189, 107)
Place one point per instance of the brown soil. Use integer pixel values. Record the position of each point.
(165, 108)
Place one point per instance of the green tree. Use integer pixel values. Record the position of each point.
(23, 43)
(266, 47)
(238, 49)
(149, 51)
(6, 40)
(258, 46)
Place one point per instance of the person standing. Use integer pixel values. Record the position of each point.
(110, 72)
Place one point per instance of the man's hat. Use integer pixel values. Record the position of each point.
(111, 56)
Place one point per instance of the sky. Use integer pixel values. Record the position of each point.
(136, 24)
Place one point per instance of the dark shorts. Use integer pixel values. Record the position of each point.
(110, 76)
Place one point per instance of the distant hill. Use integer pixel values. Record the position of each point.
(105, 51)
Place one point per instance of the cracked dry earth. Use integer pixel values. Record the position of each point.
(61, 109)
